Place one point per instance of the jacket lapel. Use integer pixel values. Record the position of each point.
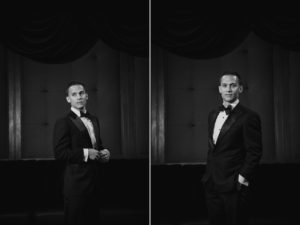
(232, 118)
(77, 122)
(212, 120)
(96, 130)
(80, 125)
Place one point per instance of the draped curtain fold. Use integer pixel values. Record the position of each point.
(202, 33)
(49, 38)
(279, 28)
(194, 32)
(125, 30)
(65, 36)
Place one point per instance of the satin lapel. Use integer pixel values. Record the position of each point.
(96, 130)
(232, 118)
(79, 124)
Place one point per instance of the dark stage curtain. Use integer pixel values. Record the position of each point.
(124, 26)
(61, 37)
(200, 32)
(279, 28)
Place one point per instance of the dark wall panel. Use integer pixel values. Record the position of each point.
(3, 107)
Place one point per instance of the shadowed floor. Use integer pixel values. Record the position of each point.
(107, 216)
(254, 221)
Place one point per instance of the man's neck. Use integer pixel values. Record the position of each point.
(77, 111)
(233, 104)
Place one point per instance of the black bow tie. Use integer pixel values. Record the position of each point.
(227, 110)
(82, 114)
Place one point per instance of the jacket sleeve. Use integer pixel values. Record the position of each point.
(100, 145)
(62, 144)
(252, 144)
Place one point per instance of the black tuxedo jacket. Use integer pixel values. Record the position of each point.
(70, 136)
(237, 151)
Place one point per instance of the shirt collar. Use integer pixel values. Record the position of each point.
(77, 111)
(234, 104)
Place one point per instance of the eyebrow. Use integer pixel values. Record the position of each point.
(229, 83)
(74, 92)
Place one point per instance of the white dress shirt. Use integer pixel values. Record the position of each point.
(221, 118)
(90, 128)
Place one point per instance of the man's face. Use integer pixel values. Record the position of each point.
(77, 96)
(230, 88)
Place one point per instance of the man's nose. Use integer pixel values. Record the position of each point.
(229, 89)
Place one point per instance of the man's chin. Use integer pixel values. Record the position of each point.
(80, 106)
(229, 100)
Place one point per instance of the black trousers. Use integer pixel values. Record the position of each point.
(228, 208)
(81, 210)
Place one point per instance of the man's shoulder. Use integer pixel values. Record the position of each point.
(248, 111)
(212, 111)
(65, 117)
(93, 116)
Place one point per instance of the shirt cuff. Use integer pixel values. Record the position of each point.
(242, 180)
(85, 154)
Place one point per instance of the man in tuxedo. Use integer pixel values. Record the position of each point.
(77, 142)
(234, 152)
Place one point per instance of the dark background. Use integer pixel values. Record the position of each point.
(191, 46)
(42, 49)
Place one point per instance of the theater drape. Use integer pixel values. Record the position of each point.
(200, 32)
(64, 36)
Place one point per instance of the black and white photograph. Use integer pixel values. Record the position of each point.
(212, 164)
(74, 115)
(147, 112)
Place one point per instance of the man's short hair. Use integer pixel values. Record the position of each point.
(233, 74)
(72, 83)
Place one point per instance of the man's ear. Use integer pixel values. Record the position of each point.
(68, 99)
(87, 96)
(241, 89)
